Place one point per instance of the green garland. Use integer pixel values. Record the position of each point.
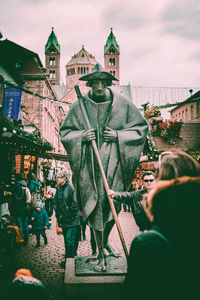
(15, 127)
(154, 154)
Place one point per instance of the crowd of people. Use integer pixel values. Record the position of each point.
(163, 257)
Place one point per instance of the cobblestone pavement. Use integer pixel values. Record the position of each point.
(44, 262)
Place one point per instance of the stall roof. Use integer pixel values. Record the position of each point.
(20, 145)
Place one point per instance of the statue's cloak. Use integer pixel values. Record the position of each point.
(119, 159)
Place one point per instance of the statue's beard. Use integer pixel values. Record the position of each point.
(97, 99)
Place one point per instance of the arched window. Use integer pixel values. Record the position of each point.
(113, 73)
(84, 70)
(52, 61)
(112, 61)
(87, 70)
(78, 70)
(112, 51)
(81, 70)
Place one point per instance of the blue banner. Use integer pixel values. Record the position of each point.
(11, 102)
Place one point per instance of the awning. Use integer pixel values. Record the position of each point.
(20, 145)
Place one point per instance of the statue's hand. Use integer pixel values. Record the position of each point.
(89, 135)
(111, 193)
(110, 135)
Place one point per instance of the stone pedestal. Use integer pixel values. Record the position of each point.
(83, 282)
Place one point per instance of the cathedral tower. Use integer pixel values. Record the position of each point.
(52, 58)
(111, 56)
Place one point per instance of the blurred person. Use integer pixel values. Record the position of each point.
(168, 254)
(136, 200)
(20, 208)
(24, 286)
(67, 214)
(49, 205)
(33, 185)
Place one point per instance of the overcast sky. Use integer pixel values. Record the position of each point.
(159, 40)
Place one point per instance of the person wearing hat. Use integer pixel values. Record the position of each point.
(67, 214)
(120, 131)
(40, 221)
(24, 286)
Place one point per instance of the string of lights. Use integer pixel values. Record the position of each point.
(8, 83)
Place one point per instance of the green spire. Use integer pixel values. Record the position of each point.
(111, 41)
(52, 40)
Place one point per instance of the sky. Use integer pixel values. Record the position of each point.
(159, 40)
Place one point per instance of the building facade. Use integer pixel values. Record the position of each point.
(187, 111)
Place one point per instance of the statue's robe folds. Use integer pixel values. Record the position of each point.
(119, 159)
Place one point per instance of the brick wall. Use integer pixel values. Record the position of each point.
(45, 114)
(72, 80)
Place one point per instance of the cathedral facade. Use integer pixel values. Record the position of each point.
(80, 63)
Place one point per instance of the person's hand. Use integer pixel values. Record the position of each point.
(111, 193)
(89, 135)
(110, 135)
(45, 227)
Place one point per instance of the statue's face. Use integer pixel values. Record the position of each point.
(99, 88)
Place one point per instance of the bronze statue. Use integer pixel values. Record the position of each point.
(119, 130)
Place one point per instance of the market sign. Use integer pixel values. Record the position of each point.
(11, 102)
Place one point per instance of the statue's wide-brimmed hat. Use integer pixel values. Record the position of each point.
(98, 73)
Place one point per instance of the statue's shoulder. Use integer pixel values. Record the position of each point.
(121, 99)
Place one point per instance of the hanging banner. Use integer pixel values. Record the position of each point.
(11, 102)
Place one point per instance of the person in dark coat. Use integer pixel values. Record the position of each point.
(40, 222)
(19, 207)
(33, 185)
(135, 200)
(164, 261)
(67, 214)
(119, 130)
(49, 205)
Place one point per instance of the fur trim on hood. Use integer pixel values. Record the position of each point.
(165, 184)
